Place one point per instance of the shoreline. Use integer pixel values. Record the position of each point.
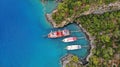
(92, 10)
(84, 60)
(91, 40)
(49, 18)
(99, 10)
(63, 60)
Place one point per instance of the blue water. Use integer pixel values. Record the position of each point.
(22, 26)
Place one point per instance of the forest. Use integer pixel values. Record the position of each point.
(105, 29)
(72, 8)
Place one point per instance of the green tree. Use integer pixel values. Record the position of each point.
(75, 59)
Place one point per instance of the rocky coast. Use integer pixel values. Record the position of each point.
(92, 10)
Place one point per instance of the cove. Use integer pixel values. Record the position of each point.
(22, 26)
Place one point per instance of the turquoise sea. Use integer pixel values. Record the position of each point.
(22, 27)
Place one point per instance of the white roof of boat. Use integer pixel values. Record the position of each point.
(73, 47)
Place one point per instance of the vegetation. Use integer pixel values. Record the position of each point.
(106, 30)
(75, 59)
(67, 9)
(74, 62)
(72, 8)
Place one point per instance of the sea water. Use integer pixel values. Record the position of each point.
(23, 26)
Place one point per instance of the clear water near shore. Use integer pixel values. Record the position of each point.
(22, 26)
(83, 52)
(49, 6)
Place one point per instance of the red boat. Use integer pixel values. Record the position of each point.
(59, 33)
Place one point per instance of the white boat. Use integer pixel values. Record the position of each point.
(73, 47)
(70, 39)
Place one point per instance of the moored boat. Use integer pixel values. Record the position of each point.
(73, 47)
(59, 33)
(70, 39)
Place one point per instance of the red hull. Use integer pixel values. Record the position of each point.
(59, 33)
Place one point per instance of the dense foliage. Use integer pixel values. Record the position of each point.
(67, 9)
(74, 61)
(106, 30)
(71, 8)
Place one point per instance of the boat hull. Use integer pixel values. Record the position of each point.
(59, 33)
(70, 39)
(73, 47)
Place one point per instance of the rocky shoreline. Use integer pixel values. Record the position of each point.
(64, 60)
(49, 18)
(99, 10)
(91, 40)
(92, 10)
(83, 61)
